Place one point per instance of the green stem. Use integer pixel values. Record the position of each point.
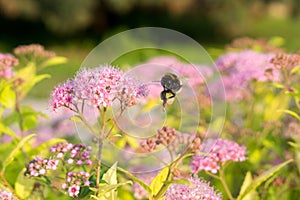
(100, 146)
(223, 181)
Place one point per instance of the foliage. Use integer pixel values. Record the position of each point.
(257, 156)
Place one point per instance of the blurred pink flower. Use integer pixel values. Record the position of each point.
(7, 61)
(199, 189)
(222, 150)
(239, 69)
(6, 195)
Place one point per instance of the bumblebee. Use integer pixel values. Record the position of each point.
(172, 85)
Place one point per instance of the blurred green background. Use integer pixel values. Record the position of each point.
(72, 28)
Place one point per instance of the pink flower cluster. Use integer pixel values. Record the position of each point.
(198, 190)
(240, 68)
(222, 151)
(40, 166)
(7, 61)
(98, 87)
(74, 181)
(6, 195)
(63, 94)
(73, 154)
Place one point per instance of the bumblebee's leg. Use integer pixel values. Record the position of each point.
(163, 97)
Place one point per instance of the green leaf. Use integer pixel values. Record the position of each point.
(105, 191)
(8, 97)
(15, 151)
(273, 104)
(297, 157)
(262, 178)
(110, 177)
(76, 118)
(32, 82)
(278, 85)
(182, 181)
(277, 41)
(27, 72)
(30, 117)
(135, 179)
(54, 61)
(292, 113)
(43, 148)
(6, 130)
(23, 185)
(247, 182)
(295, 69)
(160, 181)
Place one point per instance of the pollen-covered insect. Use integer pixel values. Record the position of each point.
(172, 85)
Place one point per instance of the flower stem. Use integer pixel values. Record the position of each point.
(100, 145)
(223, 181)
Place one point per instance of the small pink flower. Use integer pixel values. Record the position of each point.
(70, 161)
(64, 186)
(42, 172)
(74, 190)
(59, 155)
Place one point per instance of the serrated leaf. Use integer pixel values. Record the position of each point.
(135, 179)
(262, 178)
(292, 113)
(23, 185)
(15, 151)
(247, 182)
(160, 180)
(54, 61)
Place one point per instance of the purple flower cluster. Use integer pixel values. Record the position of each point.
(98, 87)
(74, 181)
(6, 195)
(240, 68)
(198, 190)
(73, 154)
(222, 150)
(7, 61)
(40, 166)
